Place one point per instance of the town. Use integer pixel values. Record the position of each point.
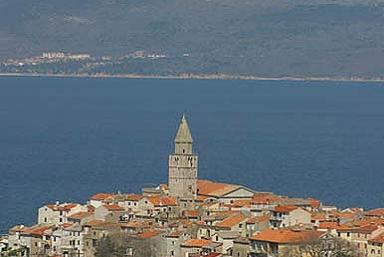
(191, 217)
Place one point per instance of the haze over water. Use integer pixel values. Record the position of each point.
(68, 138)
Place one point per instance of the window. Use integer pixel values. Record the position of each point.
(61, 220)
(129, 251)
(172, 253)
(45, 220)
(348, 234)
(78, 242)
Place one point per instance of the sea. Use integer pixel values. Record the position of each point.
(64, 139)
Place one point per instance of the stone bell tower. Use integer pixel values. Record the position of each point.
(182, 179)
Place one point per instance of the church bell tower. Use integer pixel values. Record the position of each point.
(182, 171)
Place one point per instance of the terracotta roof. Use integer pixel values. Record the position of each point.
(101, 224)
(191, 213)
(368, 221)
(366, 229)
(375, 212)
(319, 216)
(314, 203)
(378, 239)
(286, 236)
(265, 198)
(285, 208)
(148, 234)
(113, 207)
(175, 233)
(101, 196)
(231, 221)
(36, 231)
(215, 189)
(197, 243)
(332, 225)
(133, 197)
(137, 224)
(241, 203)
(162, 200)
(257, 219)
(80, 215)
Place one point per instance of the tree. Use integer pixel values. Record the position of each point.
(126, 245)
(322, 247)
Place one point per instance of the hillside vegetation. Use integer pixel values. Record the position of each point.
(245, 37)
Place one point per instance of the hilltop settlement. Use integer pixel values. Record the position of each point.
(190, 217)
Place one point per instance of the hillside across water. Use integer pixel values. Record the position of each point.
(242, 37)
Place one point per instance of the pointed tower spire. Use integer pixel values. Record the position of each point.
(183, 139)
(183, 134)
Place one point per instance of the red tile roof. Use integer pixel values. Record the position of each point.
(137, 224)
(113, 207)
(375, 212)
(285, 208)
(378, 239)
(265, 198)
(36, 231)
(286, 236)
(215, 189)
(148, 234)
(257, 219)
(80, 215)
(332, 225)
(197, 243)
(231, 221)
(134, 197)
(162, 200)
(101, 224)
(191, 213)
(101, 196)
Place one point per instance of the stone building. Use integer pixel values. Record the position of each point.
(183, 164)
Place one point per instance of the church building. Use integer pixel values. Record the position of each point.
(183, 165)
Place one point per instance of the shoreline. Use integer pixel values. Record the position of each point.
(198, 77)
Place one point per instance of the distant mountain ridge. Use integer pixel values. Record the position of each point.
(245, 37)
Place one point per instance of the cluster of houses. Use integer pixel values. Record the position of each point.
(189, 217)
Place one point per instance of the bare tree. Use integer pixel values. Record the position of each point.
(317, 247)
(125, 245)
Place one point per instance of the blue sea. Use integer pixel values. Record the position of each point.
(68, 138)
